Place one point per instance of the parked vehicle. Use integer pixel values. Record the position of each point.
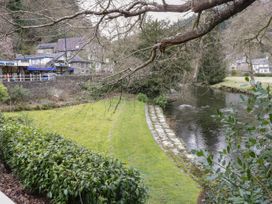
(49, 76)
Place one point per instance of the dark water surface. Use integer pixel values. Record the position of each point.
(191, 116)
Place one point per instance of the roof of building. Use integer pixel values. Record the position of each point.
(46, 46)
(35, 68)
(39, 56)
(78, 59)
(260, 61)
(241, 61)
(72, 44)
(256, 61)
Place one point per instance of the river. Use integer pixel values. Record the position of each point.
(191, 116)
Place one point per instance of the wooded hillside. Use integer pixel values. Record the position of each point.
(16, 40)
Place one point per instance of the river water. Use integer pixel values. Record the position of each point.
(191, 116)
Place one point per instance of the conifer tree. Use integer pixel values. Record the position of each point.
(212, 66)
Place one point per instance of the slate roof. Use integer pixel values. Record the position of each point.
(72, 44)
(241, 61)
(260, 61)
(39, 56)
(46, 46)
(78, 59)
(257, 61)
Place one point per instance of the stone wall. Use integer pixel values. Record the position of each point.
(61, 89)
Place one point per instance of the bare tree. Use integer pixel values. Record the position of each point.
(249, 34)
(131, 13)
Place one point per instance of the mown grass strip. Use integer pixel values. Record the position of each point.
(124, 135)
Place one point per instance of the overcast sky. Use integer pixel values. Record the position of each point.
(87, 4)
(169, 16)
(84, 4)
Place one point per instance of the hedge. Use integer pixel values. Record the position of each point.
(263, 74)
(48, 164)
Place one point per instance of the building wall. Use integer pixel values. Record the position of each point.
(81, 68)
(63, 86)
(39, 61)
(45, 51)
(23, 63)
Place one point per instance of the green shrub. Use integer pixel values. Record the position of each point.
(4, 96)
(262, 75)
(151, 86)
(142, 97)
(161, 101)
(246, 74)
(48, 164)
(234, 73)
(19, 94)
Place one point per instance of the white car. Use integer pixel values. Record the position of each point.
(49, 76)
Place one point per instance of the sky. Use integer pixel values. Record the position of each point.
(110, 30)
(160, 16)
(168, 16)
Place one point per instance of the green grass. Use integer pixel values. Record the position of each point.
(124, 135)
(240, 83)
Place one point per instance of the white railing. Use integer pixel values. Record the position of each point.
(22, 77)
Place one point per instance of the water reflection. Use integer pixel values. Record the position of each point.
(192, 117)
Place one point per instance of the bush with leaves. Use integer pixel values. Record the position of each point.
(4, 96)
(19, 94)
(234, 73)
(242, 173)
(161, 101)
(67, 173)
(142, 97)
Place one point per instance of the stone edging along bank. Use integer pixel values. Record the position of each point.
(163, 134)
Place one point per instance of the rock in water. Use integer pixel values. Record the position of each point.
(183, 106)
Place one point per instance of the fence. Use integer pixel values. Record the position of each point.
(29, 77)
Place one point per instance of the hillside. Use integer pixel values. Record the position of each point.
(249, 32)
(15, 40)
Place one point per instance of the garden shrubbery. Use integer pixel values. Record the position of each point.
(161, 101)
(142, 97)
(263, 75)
(19, 94)
(4, 96)
(48, 164)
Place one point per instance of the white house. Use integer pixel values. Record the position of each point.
(259, 65)
(39, 60)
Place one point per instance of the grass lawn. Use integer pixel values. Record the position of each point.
(241, 84)
(124, 135)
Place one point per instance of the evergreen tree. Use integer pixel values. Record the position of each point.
(212, 66)
(169, 69)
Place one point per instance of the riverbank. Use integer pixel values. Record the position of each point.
(124, 135)
(170, 143)
(239, 84)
